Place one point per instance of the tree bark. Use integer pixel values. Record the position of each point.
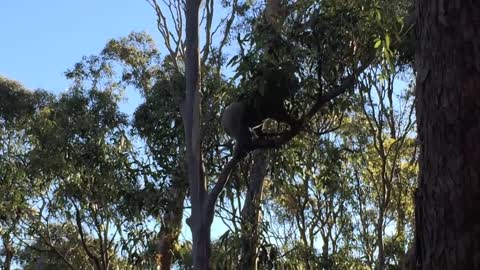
(199, 222)
(381, 250)
(40, 263)
(172, 225)
(251, 212)
(8, 250)
(448, 111)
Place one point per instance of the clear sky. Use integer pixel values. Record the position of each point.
(40, 40)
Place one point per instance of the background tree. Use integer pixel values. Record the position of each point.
(82, 153)
(17, 106)
(171, 23)
(383, 162)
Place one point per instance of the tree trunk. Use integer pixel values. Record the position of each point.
(199, 222)
(8, 252)
(381, 251)
(251, 209)
(172, 225)
(251, 212)
(326, 257)
(201, 248)
(448, 111)
(40, 263)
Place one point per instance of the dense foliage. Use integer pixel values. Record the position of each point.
(86, 186)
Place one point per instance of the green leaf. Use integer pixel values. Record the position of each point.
(387, 40)
(378, 15)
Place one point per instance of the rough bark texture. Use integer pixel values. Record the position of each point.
(251, 212)
(172, 225)
(448, 111)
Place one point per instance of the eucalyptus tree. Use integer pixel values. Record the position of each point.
(82, 150)
(363, 18)
(354, 55)
(447, 103)
(17, 108)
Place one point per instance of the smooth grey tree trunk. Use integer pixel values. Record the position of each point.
(199, 222)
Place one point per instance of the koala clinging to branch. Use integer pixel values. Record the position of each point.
(243, 119)
(271, 83)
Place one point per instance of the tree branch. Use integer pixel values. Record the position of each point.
(78, 220)
(298, 126)
(208, 30)
(217, 189)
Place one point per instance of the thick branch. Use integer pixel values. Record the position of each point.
(222, 181)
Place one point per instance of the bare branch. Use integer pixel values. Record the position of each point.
(172, 41)
(228, 26)
(208, 28)
(222, 180)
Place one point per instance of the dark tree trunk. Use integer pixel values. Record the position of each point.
(448, 111)
(251, 212)
(381, 250)
(201, 246)
(172, 225)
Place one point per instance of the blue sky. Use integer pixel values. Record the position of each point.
(40, 40)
